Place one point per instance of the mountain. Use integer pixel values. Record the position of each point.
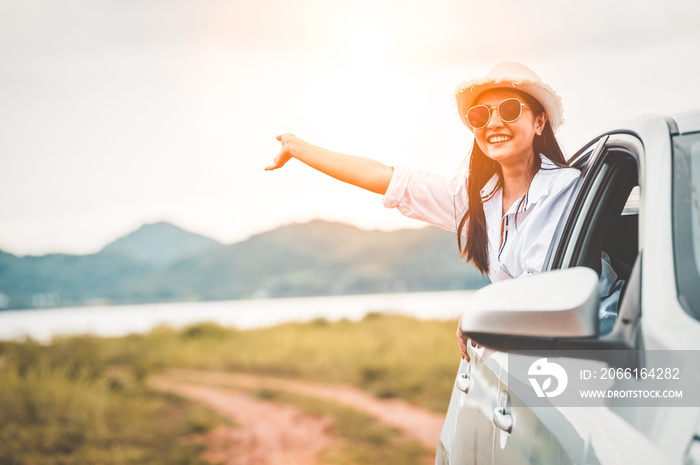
(161, 263)
(159, 243)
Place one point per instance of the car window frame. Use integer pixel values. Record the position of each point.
(562, 253)
(590, 160)
(582, 160)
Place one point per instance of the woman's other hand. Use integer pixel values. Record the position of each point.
(463, 342)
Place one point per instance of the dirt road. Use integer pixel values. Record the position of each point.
(274, 433)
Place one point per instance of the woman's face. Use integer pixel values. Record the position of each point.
(507, 143)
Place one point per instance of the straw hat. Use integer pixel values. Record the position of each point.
(511, 75)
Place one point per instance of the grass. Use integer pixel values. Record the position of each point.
(67, 404)
(387, 355)
(86, 399)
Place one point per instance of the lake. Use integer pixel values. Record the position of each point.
(119, 320)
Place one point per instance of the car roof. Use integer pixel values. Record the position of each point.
(647, 127)
(688, 121)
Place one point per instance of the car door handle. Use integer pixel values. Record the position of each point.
(463, 382)
(502, 419)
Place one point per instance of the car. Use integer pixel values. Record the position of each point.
(637, 201)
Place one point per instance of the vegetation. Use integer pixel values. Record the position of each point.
(78, 401)
(387, 355)
(87, 400)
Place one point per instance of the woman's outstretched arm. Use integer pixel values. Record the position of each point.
(362, 172)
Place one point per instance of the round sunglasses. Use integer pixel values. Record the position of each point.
(509, 110)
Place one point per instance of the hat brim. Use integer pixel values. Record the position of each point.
(467, 93)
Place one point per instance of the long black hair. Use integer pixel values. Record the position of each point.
(481, 168)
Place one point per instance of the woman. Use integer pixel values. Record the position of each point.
(506, 208)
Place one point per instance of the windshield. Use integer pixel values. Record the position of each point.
(686, 220)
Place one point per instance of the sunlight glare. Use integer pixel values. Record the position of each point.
(367, 45)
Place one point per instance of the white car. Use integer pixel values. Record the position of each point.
(638, 202)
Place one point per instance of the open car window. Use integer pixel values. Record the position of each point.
(604, 213)
(601, 229)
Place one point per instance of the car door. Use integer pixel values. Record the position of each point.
(526, 435)
(480, 426)
(602, 219)
(602, 216)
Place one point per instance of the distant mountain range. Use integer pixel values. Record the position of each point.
(159, 244)
(163, 263)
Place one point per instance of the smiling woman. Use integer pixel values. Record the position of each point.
(516, 188)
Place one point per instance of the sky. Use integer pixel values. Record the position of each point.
(116, 114)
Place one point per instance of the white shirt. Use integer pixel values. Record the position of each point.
(518, 240)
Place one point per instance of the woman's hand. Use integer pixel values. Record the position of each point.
(290, 144)
(463, 341)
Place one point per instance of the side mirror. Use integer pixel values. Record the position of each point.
(535, 311)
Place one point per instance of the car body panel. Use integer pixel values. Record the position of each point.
(471, 426)
(539, 435)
